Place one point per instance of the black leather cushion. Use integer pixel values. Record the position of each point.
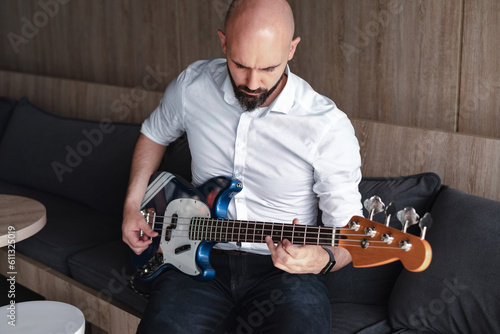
(373, 285)
(87, 161)
(6, 107)
(459, 292)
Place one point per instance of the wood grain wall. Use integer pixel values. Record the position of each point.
(425, 63)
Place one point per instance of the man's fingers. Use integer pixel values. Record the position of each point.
(147, 231)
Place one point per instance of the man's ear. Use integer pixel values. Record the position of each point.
(293, 48)
(222, 37)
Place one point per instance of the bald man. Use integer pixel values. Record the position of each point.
(247, 116)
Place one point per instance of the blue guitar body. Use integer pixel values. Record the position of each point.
(168, 206)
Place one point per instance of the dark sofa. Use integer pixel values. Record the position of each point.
(79, 170)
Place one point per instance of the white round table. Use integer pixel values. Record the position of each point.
(41, 316)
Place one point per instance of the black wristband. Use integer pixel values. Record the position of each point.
(330, 263)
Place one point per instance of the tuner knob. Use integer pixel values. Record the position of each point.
(425, 224)
(370, 232)
(390, 210)
(354, 225)
(387, 238)
(405, 245)
(408, 216)
(374, 205)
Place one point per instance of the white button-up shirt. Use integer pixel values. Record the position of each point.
(297, 151)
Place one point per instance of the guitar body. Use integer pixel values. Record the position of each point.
(174, 203)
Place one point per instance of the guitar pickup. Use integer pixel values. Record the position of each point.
(182, 249)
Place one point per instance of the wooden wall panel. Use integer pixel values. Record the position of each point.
(111, 42)
(80, 99)
(480, 86)
(198, 23)
(466, 162)
(394, 61)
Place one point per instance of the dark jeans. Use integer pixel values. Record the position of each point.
(248, 295)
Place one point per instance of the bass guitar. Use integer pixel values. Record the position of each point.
(191, 220)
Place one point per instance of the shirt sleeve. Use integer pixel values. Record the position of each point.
(337, 173)
(165, 124)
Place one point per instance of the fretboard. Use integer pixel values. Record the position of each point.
(221, 230)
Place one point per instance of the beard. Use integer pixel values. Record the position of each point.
(252, 102)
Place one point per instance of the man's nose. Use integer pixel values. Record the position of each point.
(253, 81)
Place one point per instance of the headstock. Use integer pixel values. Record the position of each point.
(371, 244)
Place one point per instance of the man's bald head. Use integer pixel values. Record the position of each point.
(273, 16)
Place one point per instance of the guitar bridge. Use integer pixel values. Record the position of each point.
(151, 266)
(150, 217)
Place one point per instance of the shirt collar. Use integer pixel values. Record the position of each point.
(282, 104)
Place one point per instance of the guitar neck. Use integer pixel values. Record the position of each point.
(221, 230)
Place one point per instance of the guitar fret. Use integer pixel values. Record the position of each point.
(208, 229)
(222, 225)
(227, 229)
(233, 231)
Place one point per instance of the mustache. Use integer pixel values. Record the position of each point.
(245, 89)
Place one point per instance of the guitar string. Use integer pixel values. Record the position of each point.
(219, 220)
(206, 229)
(227, 231)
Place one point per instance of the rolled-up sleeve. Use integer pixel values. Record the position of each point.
(165, 124)
(337, 173)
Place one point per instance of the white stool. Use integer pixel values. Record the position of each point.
(42, 317)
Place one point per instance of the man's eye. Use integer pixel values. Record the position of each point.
(270, 69)
(239, 66)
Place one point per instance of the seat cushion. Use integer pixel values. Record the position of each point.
(71, 227)
(87, 161)
(373, 285)
(459, 292)
(357, 318)
(110, 274)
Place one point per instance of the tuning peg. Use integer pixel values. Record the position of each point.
(390, 210)
(408, 216)
(374, 205)
(425, 224)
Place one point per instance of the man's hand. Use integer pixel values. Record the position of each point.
(146, 159)
(306, 259)
(133, 223)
